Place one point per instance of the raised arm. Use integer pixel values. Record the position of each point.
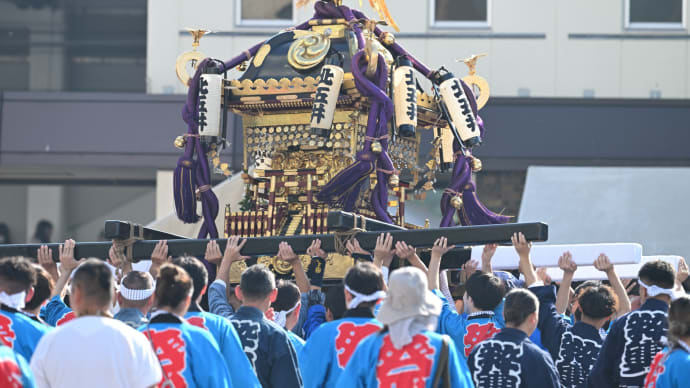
(568, 266)
(407, 252)
(67, 265)
(523, 247)
(602, 263)
(440, 248)
(286, 253)
(487, 255)
(159, 256)
(383, 255)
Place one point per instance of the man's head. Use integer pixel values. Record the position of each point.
(596, 305)
(483, 292)
(286, 306)
(17, 276)
(174, 289)
(521, 310)
(679, 320)
(363, 279)
(92, 288)
(136, 291)
(197, 271)
(43, 288)
(656, 273)
(335, 303)
(257, 287)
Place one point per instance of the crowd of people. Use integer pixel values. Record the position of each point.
(102, 322)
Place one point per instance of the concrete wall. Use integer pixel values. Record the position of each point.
(558, 48)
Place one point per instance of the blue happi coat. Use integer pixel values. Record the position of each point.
(14, 369)
(377, 363)
(189, 356)
(56, 312)
(633, 341)
(329, 348)
(268, 349)
(467, 330)
(19, 332)
(574, 348)
(670, 369)
(511, 360)
(225, 335)
(297, 341)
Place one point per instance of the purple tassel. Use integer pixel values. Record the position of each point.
(185, 188)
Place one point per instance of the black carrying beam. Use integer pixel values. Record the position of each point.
(268, 246)
(119, 230)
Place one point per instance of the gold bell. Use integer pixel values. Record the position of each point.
(476, 164)
(394, 180)
(387, 38)
(456, 201)
(180, 142)
(243, 66)
(376, 147)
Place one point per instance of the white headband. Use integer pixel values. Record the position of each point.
(653, 291)
(131, 294)
(361, 298)
(15, 301)
(280, 318)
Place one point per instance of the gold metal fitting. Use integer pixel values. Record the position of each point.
(394, 180)
(456, 202)
(180, 142)
(376, 147)
(476, 164)
(243, 66)
(387, 38)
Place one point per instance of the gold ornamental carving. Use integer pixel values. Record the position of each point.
(194, 57)
(308, 50)
(474, 81)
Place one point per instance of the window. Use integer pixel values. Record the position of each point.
(14, 58)
(264, 12)
(655, 14)
(460, 13)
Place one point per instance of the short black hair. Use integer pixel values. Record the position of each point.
(16, 275)
(485, 289)
(43, 288)
(288, 296)
(335, 301)
(519, 305)
(364, 278)
(173, 286)
(657, 273)
(598, 301)
(196, 270)
(679, 319)
(257, 282)
(586, 284)
(137, 280)
(96, 281)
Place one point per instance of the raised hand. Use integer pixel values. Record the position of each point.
(440, 247)
(159, 256)
(315, 250)
(353, 247)
(286, 253)
(232, 250)
(384, 252)
(213, 254)
(683, 272)
(602, 263)
(487, 255)
(67, 261)
(522, 246)
(543, 276)
(566, 263)
(404, 251)
(45, 259)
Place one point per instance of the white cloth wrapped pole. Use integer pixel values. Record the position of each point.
(547, 255)
(460, 111)
(210, 104)
(405, 97)
(326, 99)
(624, 271)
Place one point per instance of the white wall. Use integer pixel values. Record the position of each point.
(556, 66)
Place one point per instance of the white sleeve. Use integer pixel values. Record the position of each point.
(385, 271)
(37, 363)
(148, 366)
